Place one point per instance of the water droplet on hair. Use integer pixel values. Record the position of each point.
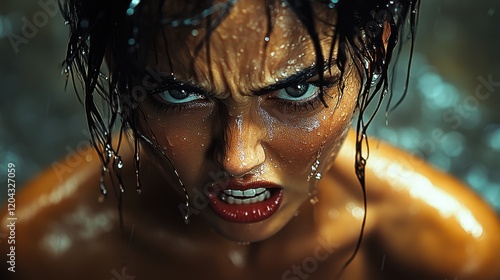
(244, 243)
(84, 23)
(119, 164)
(266, 39)
(194, 32)
(103, 187)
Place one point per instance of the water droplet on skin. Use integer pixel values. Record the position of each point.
(333, 213)
(170, 142)
(296, 213)
(314, 200)
(119, 164)
(266, 39)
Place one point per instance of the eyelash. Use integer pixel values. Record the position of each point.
(164, 107)
(288, 105)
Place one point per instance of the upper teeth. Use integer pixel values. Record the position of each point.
(245, 193)
(228, 197)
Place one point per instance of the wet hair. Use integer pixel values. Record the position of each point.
(116, 30)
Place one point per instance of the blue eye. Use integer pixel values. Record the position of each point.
(298, 92)
(179, 96)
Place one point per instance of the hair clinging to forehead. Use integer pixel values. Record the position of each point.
(118, 30)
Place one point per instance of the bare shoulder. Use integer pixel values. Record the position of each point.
(60, 226)
(422, 218)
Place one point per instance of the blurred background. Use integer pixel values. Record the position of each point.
(449, 117)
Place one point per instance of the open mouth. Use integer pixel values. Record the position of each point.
(246, 203)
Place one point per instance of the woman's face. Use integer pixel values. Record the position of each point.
(244, 116)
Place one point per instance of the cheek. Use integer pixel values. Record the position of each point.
(298, 144)
(184, 139)
(296, 147)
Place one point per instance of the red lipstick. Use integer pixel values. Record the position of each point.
(245, 203)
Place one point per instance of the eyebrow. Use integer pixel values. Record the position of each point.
(300, 76)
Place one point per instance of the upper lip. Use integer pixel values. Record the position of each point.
(235, 185)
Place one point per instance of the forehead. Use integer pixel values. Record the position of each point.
(255, 45)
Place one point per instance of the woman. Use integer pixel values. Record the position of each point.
(236, 115)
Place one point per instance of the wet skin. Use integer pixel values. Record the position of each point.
(421, 223)
(251, 133)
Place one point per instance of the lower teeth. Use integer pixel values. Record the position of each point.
(233, 200)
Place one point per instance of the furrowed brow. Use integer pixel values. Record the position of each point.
(171, 83)
(299, 77)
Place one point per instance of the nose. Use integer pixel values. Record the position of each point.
(241, 151)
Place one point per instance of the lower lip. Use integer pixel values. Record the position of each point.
(246, 213)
